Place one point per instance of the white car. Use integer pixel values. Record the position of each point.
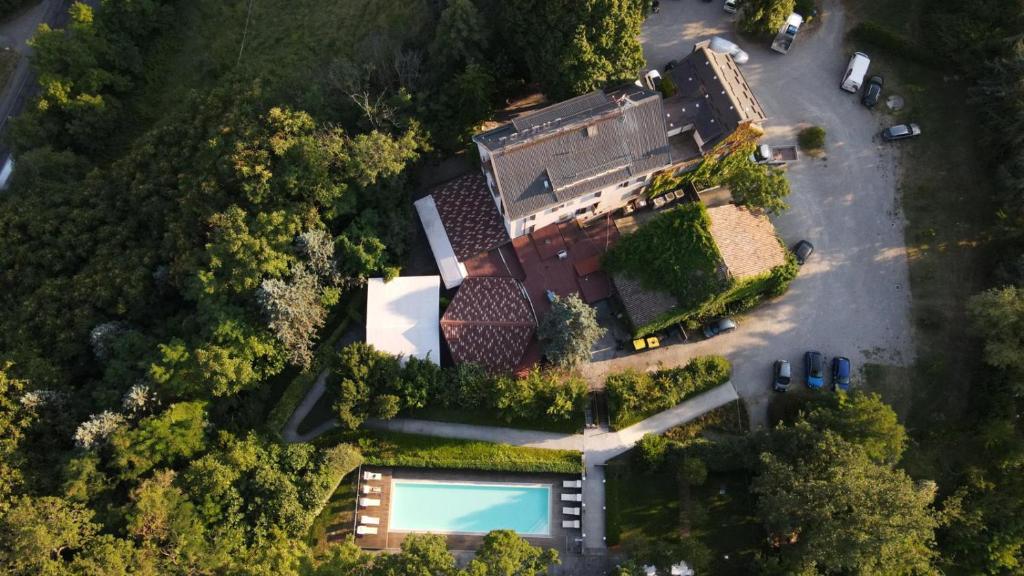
(723, 46)
(652, 80)
(731, 6)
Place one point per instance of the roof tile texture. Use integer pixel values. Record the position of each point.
(489, 322)
(469, 216)
(747, 241)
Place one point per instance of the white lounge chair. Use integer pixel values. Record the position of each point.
(369, 520)
(570, 511)
(570, 524)
(365, 530)
(572, 483)
(371, 489)
(367, 475)
(572, 497)
(369, 502)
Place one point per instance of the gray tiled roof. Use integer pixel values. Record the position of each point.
(713, 96)
(576, 147)
(643, 306)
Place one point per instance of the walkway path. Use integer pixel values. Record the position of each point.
(597, 444)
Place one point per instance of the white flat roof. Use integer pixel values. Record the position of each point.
(452, 271)
(403, 316)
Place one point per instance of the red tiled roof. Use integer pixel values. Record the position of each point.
(469, 216)
(489, 322)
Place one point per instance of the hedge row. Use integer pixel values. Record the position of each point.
(634, 395)
(414, 451)
(339, 461)
(891, 43)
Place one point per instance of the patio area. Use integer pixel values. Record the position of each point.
(565, 258)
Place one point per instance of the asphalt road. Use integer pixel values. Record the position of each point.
(852, 298)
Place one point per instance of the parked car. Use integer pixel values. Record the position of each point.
(872, 92)
(652, 80)
(782, 373)
(841, 373)
(723, 46)
(720, 326)
(802, 250)
(900, 132)
(855, 72)
(731, 6)
(814, 369)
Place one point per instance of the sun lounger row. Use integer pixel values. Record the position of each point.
(570, 511)
(371, 475)
(364, 530)
(369, 502)
(571, 524)
(572, 497)
(572, 484)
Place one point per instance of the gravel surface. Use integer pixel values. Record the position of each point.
(852, 297)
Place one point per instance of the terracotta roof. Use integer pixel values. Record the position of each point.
(747, 241)
(469, 215)
(489, 322)
(575, 147)
(643, 306)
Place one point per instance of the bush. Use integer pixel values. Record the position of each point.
(393, 449)
(339, 461)
(764, 17)
(812, 139)
(891, 42)
(466, 386)
(668, 87)
(633, 395)
(806, 8)
(650, 451)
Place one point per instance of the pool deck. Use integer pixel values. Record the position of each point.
(561, 539)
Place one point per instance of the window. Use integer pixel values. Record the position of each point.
(640, 180)
(624, 184)
(532, 218)
(597, 194)
(556, 209)
(529, 229)
(581, 211)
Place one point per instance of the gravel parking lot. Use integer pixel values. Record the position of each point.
(852, 298)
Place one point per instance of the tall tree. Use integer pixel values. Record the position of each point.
(998, 316)
(830, 509)
(573, 46)
(569, 331)
(765, 17)
(505, 553)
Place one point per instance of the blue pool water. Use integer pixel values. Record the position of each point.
(469, 508)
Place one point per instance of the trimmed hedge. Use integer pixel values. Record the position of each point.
(415, 451)
(634, 396)
(339, 461)
(892, 43)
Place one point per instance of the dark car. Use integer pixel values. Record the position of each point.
(720, 326)
(872, 92)
(841, 373)
(901, 132)
(814, 369)
(782, 374)
(802, 250)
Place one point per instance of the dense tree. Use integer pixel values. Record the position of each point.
(829, 508)
(35, 533)
(504, 553)
(585, 44)
(295, 311)
(998, 315)
(865, 420)
(765, 17)
(166, 439)
(14, 419)
(569, 331)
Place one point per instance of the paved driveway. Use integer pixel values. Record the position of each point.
(852, 298)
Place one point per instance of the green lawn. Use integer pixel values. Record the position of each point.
(336, 519)
(946, 190)
(645, 505)
(483, 418)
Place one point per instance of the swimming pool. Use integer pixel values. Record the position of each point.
(469, 508)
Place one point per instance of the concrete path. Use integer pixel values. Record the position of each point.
(598, 445)
(290, 433)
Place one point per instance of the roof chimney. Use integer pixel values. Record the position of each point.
(591, 130)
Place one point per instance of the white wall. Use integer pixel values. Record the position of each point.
(610, 198)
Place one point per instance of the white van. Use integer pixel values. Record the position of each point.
(855, 72)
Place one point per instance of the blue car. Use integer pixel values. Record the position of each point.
(841, 373)
(814, 368)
